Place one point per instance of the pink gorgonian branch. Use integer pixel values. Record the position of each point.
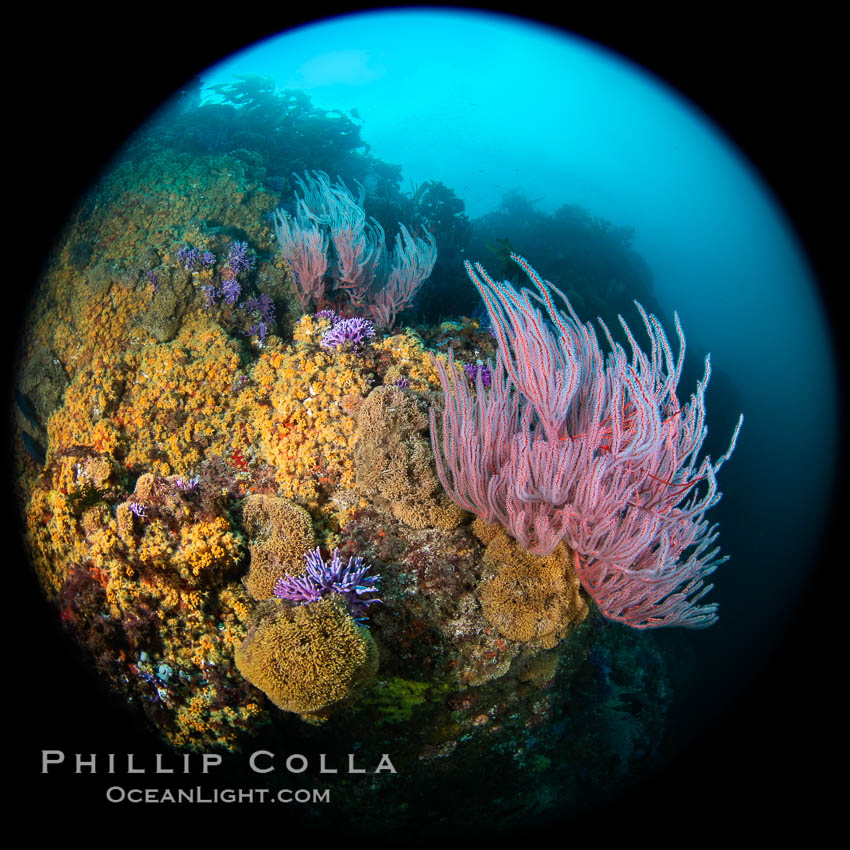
(359, 244)
(330, 216)
(411, 265)
(304, 246)
(569, 445)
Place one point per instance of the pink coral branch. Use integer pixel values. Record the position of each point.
(305, 247)
(567, 445)
(412, 263)
(359, 244)
(330, 215)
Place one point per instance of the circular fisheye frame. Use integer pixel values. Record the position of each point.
(371, 419)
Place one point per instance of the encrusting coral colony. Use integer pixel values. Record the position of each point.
(250, 493)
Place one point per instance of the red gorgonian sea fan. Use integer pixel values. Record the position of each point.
(376, 282)
(569, 445)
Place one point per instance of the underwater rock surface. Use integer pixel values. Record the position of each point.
(201, 435)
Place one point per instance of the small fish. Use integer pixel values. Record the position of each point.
(26, 407)
(34, 449)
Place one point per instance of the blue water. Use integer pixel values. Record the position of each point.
(497, 104)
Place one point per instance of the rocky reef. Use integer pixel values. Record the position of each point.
(197, 441)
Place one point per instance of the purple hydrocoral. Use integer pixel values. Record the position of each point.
(240, 259)
(355, 331)
(348, 580)
(187, 485)
(472, 371)
(262, 310)
(231, 289)
(263, 307)
(193, 258)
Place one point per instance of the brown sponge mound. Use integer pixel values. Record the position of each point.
(280, 533)
(530, 598)
(307, 658)
(395, 462)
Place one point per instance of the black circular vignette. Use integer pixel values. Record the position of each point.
(769, 84)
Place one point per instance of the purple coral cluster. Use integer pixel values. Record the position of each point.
(230, 291)
(194, 258)
(138, 509)
(472, 371)
(348, 580)
(187, 485)
(262, 311)
(356, 330)
(209, 293)
(240, 259)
